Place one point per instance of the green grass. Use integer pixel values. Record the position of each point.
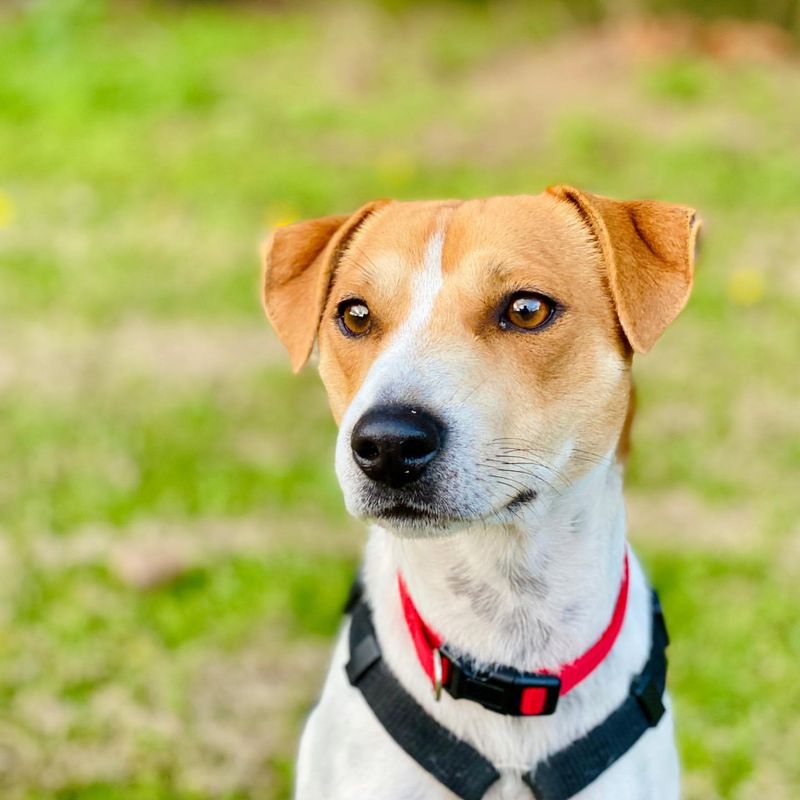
(144, 149)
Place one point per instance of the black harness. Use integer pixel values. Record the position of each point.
(458, 765)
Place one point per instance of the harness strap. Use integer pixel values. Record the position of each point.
(459, 766)
(453, 762)
(572, 769)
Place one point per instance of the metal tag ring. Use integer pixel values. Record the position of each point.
(437, 674)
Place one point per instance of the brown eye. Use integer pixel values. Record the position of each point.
(354, 318)
(528, 311)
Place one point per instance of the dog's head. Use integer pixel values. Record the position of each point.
(476, 354)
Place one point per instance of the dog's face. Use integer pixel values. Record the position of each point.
(476, 354)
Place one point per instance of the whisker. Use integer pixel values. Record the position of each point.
(530, 446)
(367, 272)
(533, 473)
(478, 386)
(577, 455)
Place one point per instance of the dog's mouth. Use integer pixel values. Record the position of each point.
(407, 513)
(410, 514)
(522, 499)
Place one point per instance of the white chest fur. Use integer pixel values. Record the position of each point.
(529, 599)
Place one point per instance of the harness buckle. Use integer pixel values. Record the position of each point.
(646, 691)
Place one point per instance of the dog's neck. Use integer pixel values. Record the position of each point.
(531, 595)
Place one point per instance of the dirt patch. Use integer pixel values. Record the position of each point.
(249, 706)
(595, 73)
(241, 711)
(678, 519)
(150, 552)
(62, 357)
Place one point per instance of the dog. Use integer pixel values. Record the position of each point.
(477, 359)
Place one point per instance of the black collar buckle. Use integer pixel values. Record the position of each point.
(502, 689)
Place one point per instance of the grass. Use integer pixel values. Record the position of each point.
(146, 409)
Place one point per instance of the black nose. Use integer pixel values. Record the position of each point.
(394, 444)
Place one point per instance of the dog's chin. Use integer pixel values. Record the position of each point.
(414, 523)
(409, 519)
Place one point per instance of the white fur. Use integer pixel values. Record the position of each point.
(533, 589)
(387, 375)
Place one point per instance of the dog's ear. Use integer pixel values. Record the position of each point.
(299, 261)
(649, 250)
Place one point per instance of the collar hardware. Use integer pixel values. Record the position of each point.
(503, 689)
(437, 674)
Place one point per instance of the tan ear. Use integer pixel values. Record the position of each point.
(649, 250)
(299, 261)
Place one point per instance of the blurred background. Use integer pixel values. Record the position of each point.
(173, 547)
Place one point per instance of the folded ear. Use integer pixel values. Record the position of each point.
(649, 250)
(299, 261)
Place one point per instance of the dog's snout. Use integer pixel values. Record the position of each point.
(394, 444)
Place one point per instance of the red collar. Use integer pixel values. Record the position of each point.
(504, 689)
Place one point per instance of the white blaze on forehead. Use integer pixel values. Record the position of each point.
(396, 365)
(395, 374)
(427, 283)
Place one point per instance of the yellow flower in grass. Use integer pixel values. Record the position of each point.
(7, 212)
(746, 286)
(279, 216)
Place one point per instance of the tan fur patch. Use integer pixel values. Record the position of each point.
(579, 250)
(492, 248)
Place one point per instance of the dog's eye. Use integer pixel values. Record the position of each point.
(354, 318)
(528, 311)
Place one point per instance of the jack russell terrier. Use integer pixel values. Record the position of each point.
(502, 640)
